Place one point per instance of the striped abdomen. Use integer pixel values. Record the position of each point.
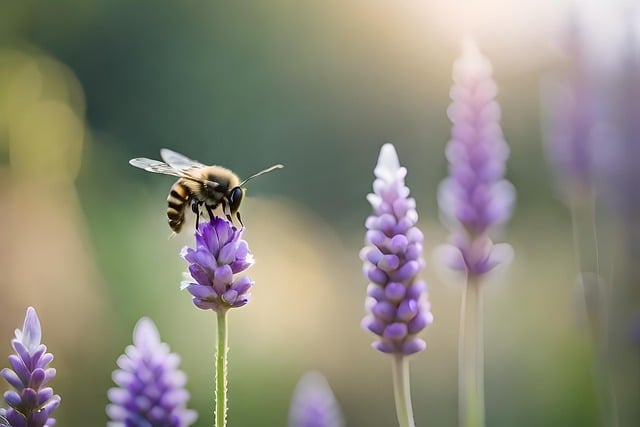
(177, 201)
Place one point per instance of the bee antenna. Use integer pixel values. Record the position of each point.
(262, 172)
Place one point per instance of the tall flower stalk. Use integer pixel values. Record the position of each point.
(397, 305)
(150, 388)
(30, 403)
(577, 127)
(474, 199)
(219, 256)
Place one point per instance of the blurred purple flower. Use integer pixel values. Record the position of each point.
(475, 197)
(31, 404)
(397, 301)
(220, 253)
(574, 117)
(150, 388)
(313, 403)
(617, 157)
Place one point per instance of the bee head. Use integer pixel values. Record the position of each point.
(235, 198)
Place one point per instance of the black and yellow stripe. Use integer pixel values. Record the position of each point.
(177, 201)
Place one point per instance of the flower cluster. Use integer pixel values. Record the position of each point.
(475, 197)
(397, 302)
(313, 403)
(220, 253)
(151, 387)
(31, 404)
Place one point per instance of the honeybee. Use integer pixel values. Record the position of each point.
(198, 185)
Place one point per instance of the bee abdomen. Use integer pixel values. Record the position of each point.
(177, 201)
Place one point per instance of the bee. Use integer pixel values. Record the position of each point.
(198, 185)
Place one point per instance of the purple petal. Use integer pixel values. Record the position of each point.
(19, 368)
(223, 275)
(409, 270)
(377, 276)
(407, 310)
(12, 398)
(31, 331)
(396, 331)
(374, 325)
(206, 305)
(384, 347)
(202, 292)
(376, 292)
(199, 275)
(413, 345)
(398, 243)
(12, 378)
(376, 237)
(394, 291)
(29, 397)
(420, 321)
(228, 252)
(389, 263)
(384, 310)
(242, 285)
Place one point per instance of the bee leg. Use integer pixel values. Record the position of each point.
(239, 220)
(210, 211)
(195, 207)
(225, 212)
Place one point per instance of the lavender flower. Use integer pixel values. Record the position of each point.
(31, 404)
(151, 388)
(220, 253)
(475, 198)
(313, 404)
(576, 118)
(397, 301)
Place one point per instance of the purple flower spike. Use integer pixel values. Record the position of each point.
(397, 301)
(151, 387)
(475, 197)
(31, 404)
(220, 254)
(313, 404)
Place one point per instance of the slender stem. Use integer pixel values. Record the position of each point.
(402, 390)
(583, 221)
(221, 371)
(471, 357)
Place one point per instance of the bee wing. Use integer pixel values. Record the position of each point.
(155, 166)
(178, 161)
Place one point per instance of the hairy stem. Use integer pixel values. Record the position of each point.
(221, 371)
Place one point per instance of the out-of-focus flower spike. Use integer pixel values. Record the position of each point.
(475, 198)
(313, 403)
(150, 388)
(31, 404)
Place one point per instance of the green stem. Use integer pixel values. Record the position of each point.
(221, 371)
(471, 357)
(402, 390)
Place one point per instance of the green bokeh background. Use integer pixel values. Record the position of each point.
(318, 86)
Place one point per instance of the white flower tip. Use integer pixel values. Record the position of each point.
(388, 158)
(469, 46)
(31, 333)
(145, 333)
(471, 62)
